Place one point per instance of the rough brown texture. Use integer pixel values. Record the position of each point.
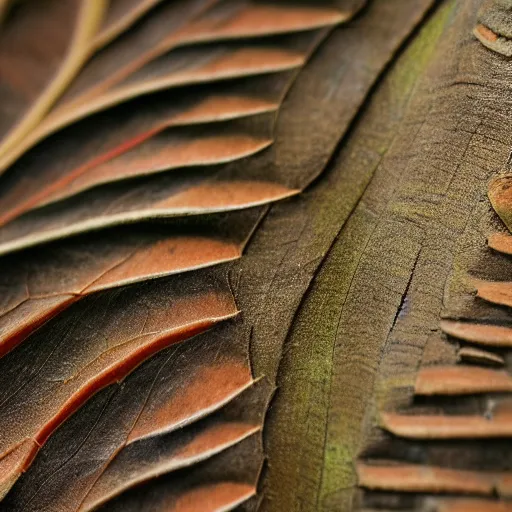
(88, 365)
(449, 417)
(244, 260)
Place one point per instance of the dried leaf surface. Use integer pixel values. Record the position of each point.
(125, 328)
(39, 286)
(161, 404)
(42, 48)
(223, 106)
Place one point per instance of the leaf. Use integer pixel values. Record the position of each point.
(80, 150)
(192, 66)
(483, 334)
(496, 292)
(142, 462)
(219, 482)
(124, 51)
(457, 380)
(71, 399)
(121, 14)
(167, 151)
(410, 478)
(450, 427)
(209, 20)
(36, 289)
(478, 356)
(99, 344)
(155, 37)
(29, 90)
(179, 195)
(470, 505)
(223, 496)
(145, 417)
(296, 167)
(145, 205)
(341, 289)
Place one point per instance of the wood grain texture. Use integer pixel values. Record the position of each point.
(449, 425)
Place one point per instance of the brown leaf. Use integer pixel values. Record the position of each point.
(501, 198)
(500, 242)
(224, 381)
(199, 199)
(450, 427)
(457, 380)
(471, 505)
(35, 180)
(479, 356)
(179, 195)
(418, 478)
(163, 152)
(39, 286)
(142, 462)
(194, 192)
(128, 328)
(482, 334)
(200, 21)
(204, 488)
(155, 37)
(42, 47)
(219, 496)
(178, 388)
(496, 292)
(121, 15)
(187, 66)
(290, 172)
